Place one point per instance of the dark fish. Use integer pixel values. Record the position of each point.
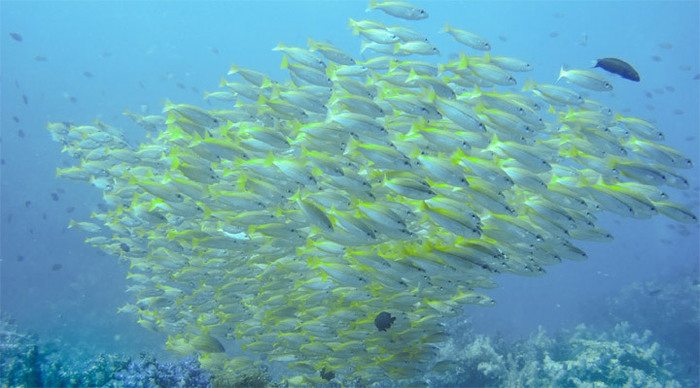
(41, 58)
(60, 190)
(72, 99)
(670, 88)
(678, 112)
(124, 247)
(54, 196)
(20, 258)
(25, 99)
(181, 85)
(16, 119)
(502, 38)
(384, 321)
(697, 76)
(665, 45)
(326, 374)
(44, 216)
(648, 94)
(87, 74)
(20, 133)
(70, 209)
(553, 34)
(656, 58)
(16, 36)
(214, 50)
(56, 267)
(2, 162)
(619, 67)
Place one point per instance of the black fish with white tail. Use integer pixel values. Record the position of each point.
(619, 67)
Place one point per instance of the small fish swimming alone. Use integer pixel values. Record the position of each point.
(619, 67)
(16, 36)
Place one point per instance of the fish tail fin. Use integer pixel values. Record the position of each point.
(594, 63)
(562, 72)
(529, 85)
(352, 23)
(445, 28)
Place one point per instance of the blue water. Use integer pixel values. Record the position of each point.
(138, 54)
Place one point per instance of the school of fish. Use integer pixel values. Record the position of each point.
(334, 222)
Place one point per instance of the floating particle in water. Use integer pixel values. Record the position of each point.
(678, 112)
(70, 209)
(16, 119)
(141, 85)
(25, 99)
(690, 138)
(31, 230)
(27, 203)
(553, 34)
(56, 267)
(656, 58)
(502, 38)
(20, 258)
(214, 50)
(20, 133)
(16, 36)
(697, 76)
(181, 85)
(2, 161)
(670, 88)
(60, 190)
(44, 216)
(87, 74)
(659, 91)
(685, 67)
(583, 41)
(665, 45)
(648, 94)
(72, 99)
(41, 58)
(54, 196)
(105, 54)
(9, 218)
(650, 107)
(558, 15)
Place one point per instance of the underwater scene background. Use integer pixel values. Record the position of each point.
(627, 315)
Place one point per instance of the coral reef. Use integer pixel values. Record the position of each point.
(579, 357)
(676, 305)
(26, 362)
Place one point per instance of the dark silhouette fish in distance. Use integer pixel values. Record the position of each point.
(619, 67)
